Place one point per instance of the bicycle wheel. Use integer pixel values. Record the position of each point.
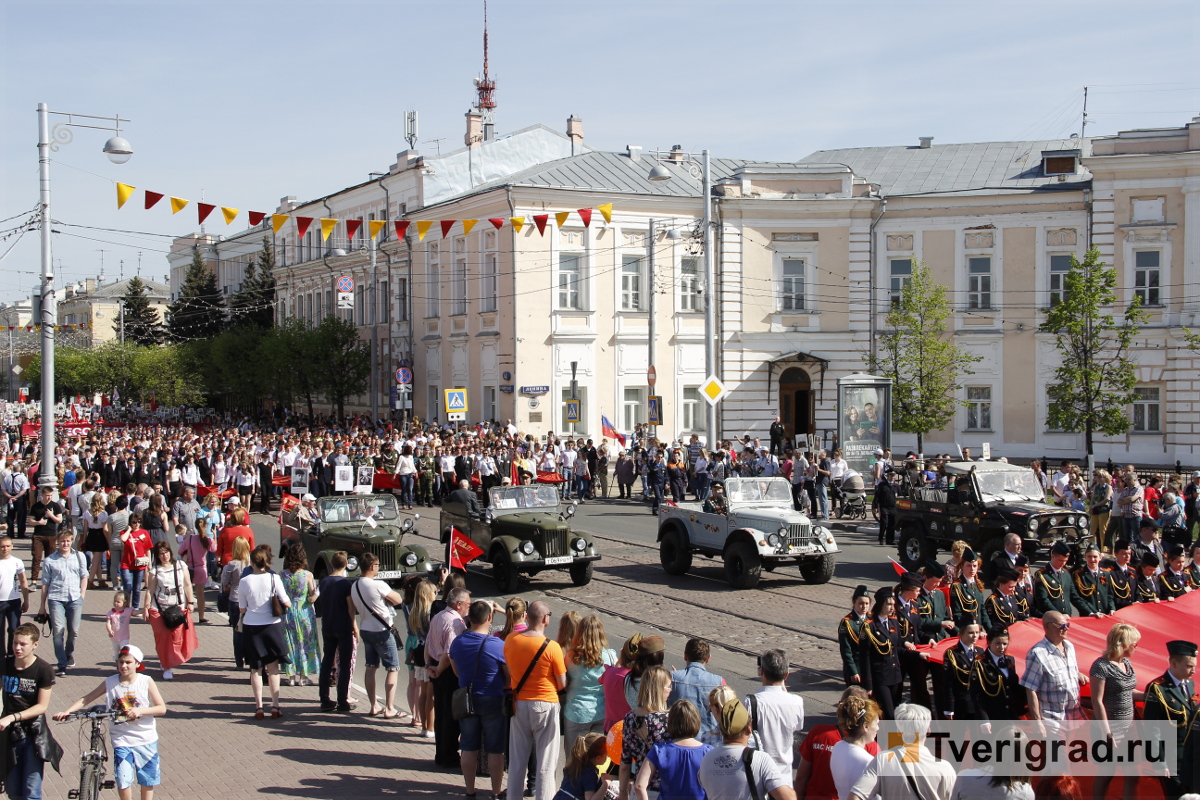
(89, 782)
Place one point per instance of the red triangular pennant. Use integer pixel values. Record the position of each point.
(497, 222)
(152, 198)
(540, 220)
(447, 224)
(302, 224)
(401, 228)
(585, 214)
(256, 217)
(352, 226)
(462, 549)
(203, 210)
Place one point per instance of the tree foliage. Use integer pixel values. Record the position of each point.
(129, 370)
(1093, 385)
(199, 311)
(254, 303)
(340, 362)
(141, 320)
(923, 364)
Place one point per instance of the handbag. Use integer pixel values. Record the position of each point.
(223, 602)
(395, 633)
(172, 616)
(510, 697)
(461, 705)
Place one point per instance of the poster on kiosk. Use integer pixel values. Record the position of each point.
(864, 418)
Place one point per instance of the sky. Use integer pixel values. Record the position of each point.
(248, 102)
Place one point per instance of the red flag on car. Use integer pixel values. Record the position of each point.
(462, 549)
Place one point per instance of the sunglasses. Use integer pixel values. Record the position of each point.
(1063, 628)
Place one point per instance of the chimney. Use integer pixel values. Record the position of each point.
(926, 142)
(634, 151)
(474, 129)
(676, 156)
(575, 133)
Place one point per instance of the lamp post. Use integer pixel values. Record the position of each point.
(118, 152)
(659, 172)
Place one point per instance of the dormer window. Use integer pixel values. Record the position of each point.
(1059, 162)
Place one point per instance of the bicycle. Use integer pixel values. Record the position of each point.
(92, 760)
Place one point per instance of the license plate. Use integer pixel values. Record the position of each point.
(802, 550)
(559, 560)
(391, 573)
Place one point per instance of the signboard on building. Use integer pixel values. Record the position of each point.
(864, 418)
(572, 411)
(456, 404)
(654, 409)
(535, 389)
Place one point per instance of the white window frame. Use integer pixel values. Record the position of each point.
(633, 281)
(691, 410)
(489, 283)
(633, 411)
(385, 302)
(1054, 295)
(491, 403)
(566, 296)
(1146, 414)
(401, 299)
(458, 286)
(980, 285)
(1141, 287)
(895, 289)
(433, 286)
(434, 398)
(691, 299)
(979, 408)
(787, 299)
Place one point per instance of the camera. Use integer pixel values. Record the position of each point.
(41, 619)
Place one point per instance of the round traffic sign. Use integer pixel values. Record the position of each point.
(345, 284)
(651, 376)
(404, 375)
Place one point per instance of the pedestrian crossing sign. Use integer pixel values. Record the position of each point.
(572, 411)
(456, 404)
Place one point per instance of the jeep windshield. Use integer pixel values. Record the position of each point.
(772, 491)
(524, 497)
(1010, 485)
(380, 507)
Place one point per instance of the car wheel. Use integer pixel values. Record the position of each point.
(674, 553)
(743, 565)
(819, 570)
(320, 571)
(581, 573)
(914, 547)
(505, 573)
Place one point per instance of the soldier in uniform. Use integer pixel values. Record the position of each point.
(850, 634)
(1146, 587)
(426, 475)
(1001, 605)
(912, 663)
(996, 691)
(958, 663)
(1093, 592)
(879, 656)
(1173, 581)
(1053, 589)
(931, 605)
(389, 459)
(966, 595)
(1193, 568)
(1122, 576)
(1024, 587)
(1172, 697)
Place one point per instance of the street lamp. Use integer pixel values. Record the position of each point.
(118, 151)
(660, 172)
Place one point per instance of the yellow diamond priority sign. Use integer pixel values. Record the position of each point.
(713, 390)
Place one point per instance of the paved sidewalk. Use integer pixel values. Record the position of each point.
(210, 743)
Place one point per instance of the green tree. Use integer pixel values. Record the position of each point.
(141, 320)
(199, 311)
(922, 362)
(254, 303)
(165, 373)
(1093, 386)
(74, 373)
(340, 362)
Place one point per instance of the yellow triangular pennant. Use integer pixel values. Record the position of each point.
(423, 228)
(230, 214)
(376, 225)
(606, 211)
(124, 192)
(277, 221)
(177, 204)
(327, 226)
(517, 223)
(561, 217)
(468, 224)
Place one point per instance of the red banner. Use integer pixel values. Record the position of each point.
(462, 550)
(205, 491)
(550, 477)
(288, 502)
(385, 480)
(282, 480)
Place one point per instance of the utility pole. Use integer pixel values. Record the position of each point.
(650, 324)
(710, 305)
(372, 292)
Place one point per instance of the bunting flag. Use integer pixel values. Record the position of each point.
(277, 221)
(540, 220)
(256, 217)
(561, 217)
(152, 198)
(468, 224)
(375, 226)
(606, 211)
(230, 214)
(124, 192)
(462, 549)
(177, 204)
(517, 223)
(497, 222)
(302, 224)
(447, 224)
(352, 226)
(401, 229)
(423, 228)
(585, 214)
(203, 210)
(327, 226)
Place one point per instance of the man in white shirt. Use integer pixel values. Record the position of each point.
(372, 600)
(777, 715)
(894, 775)
(566, 464)
(726, 770)
(1059, 483)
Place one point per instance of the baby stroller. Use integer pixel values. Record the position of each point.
(853, 494)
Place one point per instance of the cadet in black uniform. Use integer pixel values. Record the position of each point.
(996, 691)
(1024, 588)
(1122, 576)
(966, 595)
(912, 663)
(1172, 697)
(1173, 581)
(1093, 591)
(1193, 567)
(850, 632)
(1053, 589)
(1002, 607)
(1146, 587)
(879, 658)
(931, 605)
(954, 699)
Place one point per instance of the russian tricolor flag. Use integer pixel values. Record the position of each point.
(607, 429)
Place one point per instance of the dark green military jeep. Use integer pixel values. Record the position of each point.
(523, 531)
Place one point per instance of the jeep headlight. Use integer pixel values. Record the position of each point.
(579, 544)
(773, 540)
(352, 563)
(410, 559)
(527, 548)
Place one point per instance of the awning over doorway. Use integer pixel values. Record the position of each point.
(798, 358)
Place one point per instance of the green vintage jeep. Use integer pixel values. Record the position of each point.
(524, 530)
(358, 524)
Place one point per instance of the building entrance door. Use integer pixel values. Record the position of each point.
(795, 394)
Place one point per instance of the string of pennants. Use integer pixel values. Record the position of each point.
(32, 328)
(329, 224)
